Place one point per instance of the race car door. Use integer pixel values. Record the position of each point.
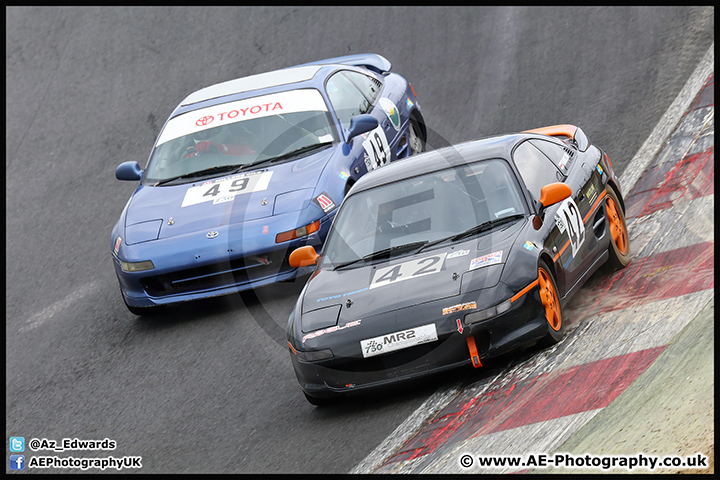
(570, 232)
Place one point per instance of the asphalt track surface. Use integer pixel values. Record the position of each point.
(209, 387)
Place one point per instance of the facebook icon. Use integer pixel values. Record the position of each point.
(17, 462)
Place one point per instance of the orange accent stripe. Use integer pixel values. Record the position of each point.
(523, 291)
(291, 348)
(592, 209)
(561, 251)
(555, 130)
(473, 352)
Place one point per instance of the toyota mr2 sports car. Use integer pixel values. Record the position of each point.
(455, 256)
(245, 171)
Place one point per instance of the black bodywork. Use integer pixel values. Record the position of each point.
(338, 308)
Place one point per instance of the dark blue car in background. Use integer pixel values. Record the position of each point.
(246, 171)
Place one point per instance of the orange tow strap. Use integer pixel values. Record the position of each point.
(473, 352)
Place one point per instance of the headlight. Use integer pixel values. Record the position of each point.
(315, 356)
(476, 317)
(137, 266)
(298, 232)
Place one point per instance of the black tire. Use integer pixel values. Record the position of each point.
(416, 144)
(319, 401)
(547, 287)
(619, 238)
(142, 311)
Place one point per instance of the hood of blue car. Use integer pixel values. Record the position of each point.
(170, 210)
(414, 279)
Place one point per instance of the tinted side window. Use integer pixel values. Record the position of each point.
(560, 155)
(346, 99)
(370, 87)
(535, 168)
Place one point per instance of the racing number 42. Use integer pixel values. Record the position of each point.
(408, 270)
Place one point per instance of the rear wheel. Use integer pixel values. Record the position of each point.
(551, 305)
(619, 244)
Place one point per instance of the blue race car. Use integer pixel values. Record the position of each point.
(246, 171)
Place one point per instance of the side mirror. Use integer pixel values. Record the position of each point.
(128, 171)
(303, 257)
(361, 124)
(554, 193)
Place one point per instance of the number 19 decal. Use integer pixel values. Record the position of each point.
(408, 270)
(568, 215)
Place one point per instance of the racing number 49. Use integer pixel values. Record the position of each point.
(237, 185)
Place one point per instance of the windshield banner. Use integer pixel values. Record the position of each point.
(307, 100)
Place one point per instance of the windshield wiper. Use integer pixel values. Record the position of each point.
(386, 252)
(475, 230)
(294, 153)
(202, 173)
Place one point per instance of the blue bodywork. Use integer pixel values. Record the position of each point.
(213, 248)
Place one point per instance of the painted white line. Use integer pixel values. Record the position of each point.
(47, 313)
(405, 430)
(666, 126)
(683, 225)
(537, 438)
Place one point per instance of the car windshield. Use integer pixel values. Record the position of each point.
(424, 211)
(241, 134)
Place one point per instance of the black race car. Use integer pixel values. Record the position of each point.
(454, 256)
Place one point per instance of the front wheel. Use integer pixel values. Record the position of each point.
(550, 301)
(142, 311)
(619, 248)
(319, 401)
(417, 145)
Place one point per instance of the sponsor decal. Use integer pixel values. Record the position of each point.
(599, 169)
(529, 245)
(265, 230)
(324, 202)
(459, 253)
(391, 111)
(334, 328)
(409, 104)
(344, 175)
(485, 260)
(459, 326)
(118, 241)
(306, 100)
(459, 308)
(408, 270)
(398, 340)
(591, 193)
(226, 189)
(343, 295)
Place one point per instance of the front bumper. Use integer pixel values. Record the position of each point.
(235, 262)
(348, 371)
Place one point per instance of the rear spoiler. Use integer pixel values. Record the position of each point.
(372, 61)
(571, 131)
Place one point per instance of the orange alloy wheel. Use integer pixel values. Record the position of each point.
(549, 299)
(617, 228)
